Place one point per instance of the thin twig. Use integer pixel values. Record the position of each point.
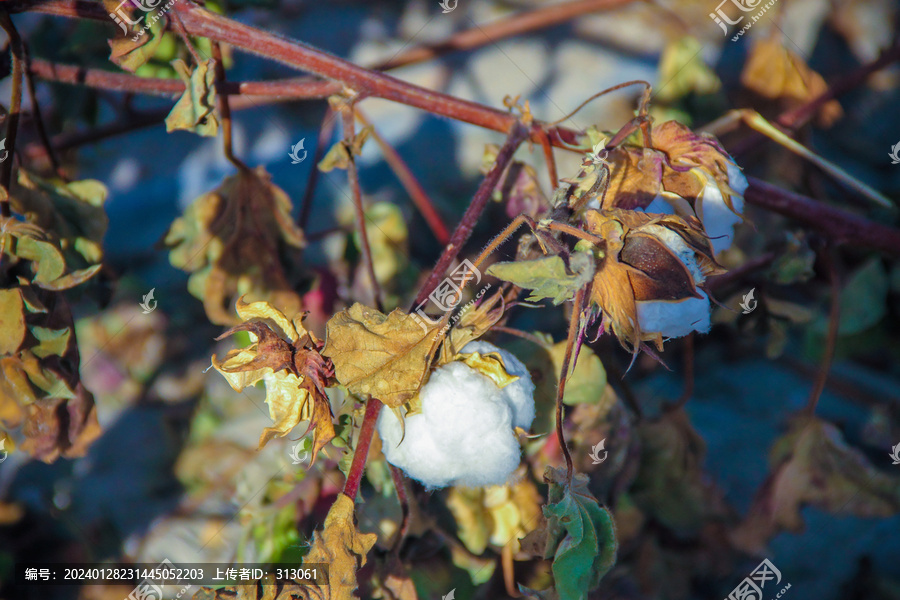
(38, 117)
(479, 201)
(571, 340)
(410, 183)
(325, 133)
(402, 497)
(224, 108)
(353, 181)
(834, 321)
(15, 107)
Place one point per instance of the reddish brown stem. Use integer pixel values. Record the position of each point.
(403, 498)
(838, 225)
(479, 201)
(366, 431)
(222, 101)
(571, 340)
(325, 133)
(410, 183)
(353, 181)
(517, 24)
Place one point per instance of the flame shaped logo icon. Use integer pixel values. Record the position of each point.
(148, 298)
(296, 159)
(452, 593)
(749, 304)
(894, 154)
(895, 456)
(296, 457)
(448, 8)
(6, 152)
(6, 453)
(595, 452)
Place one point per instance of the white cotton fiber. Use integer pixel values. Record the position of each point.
(675, 319)
(464, 434)
(518, 394)
(719, 220)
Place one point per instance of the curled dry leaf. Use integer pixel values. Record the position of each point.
(195, 110)
(381, 356)
(285, 356)
(239, 240)
(343, 548)
(812, 464)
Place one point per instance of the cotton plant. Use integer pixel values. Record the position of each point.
(464, 434)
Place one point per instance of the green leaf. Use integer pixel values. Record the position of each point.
(46, 261)
(581, 536)
(548, 277)
(339, 155)
(51, 342)
(587, 381)
(863, 300)
(195, 110)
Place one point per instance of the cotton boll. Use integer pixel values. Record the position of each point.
(464, 434)
(520, 393)
(718, 219)
(675, 319)
(679, 248)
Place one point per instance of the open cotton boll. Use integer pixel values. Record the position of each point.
(520, 393)
(679, 248)
(718, 219)
(464, 434)
(675, 319)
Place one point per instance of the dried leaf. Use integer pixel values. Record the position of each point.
(812, 464)
(343, 548)
(776, 72)
(239, 240)
(339, 155)
(378, 355)
(133, 51)
(12, 320)
(548, 277)
(195, 110)
(289, 362)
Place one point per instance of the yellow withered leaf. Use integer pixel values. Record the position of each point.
(285, 356)
(236, 240)
(490, 365)
(195, 110)
(378, 355)
(775, 72)
(343, 548)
